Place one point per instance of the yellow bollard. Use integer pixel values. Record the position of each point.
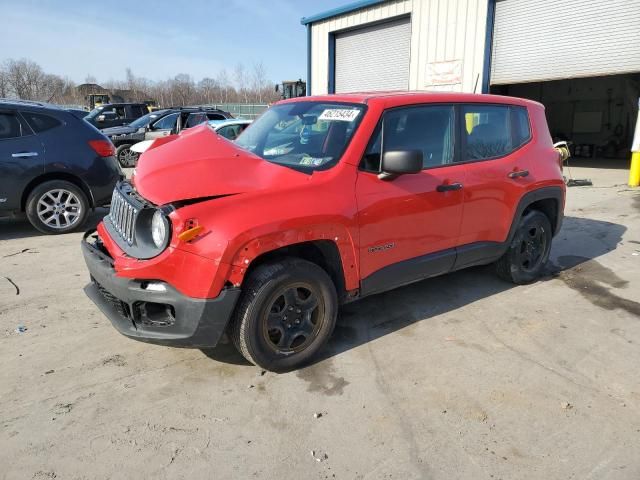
(634, 171)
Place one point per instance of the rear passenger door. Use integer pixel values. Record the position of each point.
(495, 140)
(162, 127)
(409, 225)
(21, 158)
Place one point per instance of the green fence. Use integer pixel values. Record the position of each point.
(241, 110)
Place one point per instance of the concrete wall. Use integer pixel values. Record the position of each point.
(447, 42)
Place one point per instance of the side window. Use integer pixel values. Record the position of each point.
(216, 116)
(121, 112)
(487, 129)
(41, 123)
(230, 131)
(430, 129)
(520, 129)
(195, 119)
(9, 126)
(139, 110)
(166, 123)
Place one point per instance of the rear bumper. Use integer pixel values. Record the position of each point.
(163, 317)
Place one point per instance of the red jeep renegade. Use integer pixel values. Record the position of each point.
(322, 200)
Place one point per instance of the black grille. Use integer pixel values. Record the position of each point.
(121, 307)
(123, 215)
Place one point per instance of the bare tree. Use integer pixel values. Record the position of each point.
(4, 84)
(209, 90)
(184, 88)
(223, 81)
(259, 80)
(25, 79)
(240, 78)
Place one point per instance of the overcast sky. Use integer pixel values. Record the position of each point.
(160, 38)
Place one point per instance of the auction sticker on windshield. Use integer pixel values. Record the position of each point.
(342, 114)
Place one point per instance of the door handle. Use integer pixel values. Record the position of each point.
(518, 174)
(449, 187)
(24, 154)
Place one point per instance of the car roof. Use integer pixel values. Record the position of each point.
(196, 109)
(409, 97)
(231, 121)
(13, 103)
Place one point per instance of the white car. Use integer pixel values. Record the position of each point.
(227, 128)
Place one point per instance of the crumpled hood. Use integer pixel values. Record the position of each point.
(124, 129)
(199, 164)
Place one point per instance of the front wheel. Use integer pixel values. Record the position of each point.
(529, 251)
(286, 314)
(126, 157)
(57, 206)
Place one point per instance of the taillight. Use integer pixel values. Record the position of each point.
(104, 148)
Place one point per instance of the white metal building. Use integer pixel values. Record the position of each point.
(581, 58)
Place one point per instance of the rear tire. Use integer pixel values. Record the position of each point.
(126, 158)
(57, 207)
(529, 251)
(285, 315)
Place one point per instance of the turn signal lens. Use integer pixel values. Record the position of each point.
(191, 233)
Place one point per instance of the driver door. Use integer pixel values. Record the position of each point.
(409, 225)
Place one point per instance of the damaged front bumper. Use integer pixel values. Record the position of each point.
(154, 311)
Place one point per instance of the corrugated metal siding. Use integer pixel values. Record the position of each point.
(448, 33)
(537, 40)
(445, 35)
(374, 58)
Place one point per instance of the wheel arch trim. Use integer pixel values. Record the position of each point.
(334, 242)
(555, 193)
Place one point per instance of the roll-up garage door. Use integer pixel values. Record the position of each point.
(373, 58)
(538, 40)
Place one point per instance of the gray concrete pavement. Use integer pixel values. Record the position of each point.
(462, 376)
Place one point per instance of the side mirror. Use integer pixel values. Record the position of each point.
(400, 162)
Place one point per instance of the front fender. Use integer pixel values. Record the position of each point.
(243, 254)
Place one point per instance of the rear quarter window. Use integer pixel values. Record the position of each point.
(40, 122)
(520, 128)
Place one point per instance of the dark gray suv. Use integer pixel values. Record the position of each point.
(54, 166)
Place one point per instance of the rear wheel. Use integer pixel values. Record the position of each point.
(286, 314)
(57, 206)
(126, 157)
(529, 251)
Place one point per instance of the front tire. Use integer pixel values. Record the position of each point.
(126, 158)
(529, 251)
(57, 207)
(285, 315)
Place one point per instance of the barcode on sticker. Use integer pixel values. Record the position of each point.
(342, 114)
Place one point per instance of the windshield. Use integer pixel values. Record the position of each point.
(303, 135)
(95, 112)
(144, 120)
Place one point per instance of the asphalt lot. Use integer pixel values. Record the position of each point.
(462, 376)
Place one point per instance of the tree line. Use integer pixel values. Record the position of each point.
(25, 79)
